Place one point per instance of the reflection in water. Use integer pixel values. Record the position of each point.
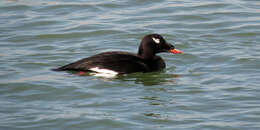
(147, 79)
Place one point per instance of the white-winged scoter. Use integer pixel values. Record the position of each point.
(118, 62)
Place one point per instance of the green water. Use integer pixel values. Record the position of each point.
(214, 85)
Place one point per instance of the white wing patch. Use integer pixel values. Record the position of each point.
(103, 72)
(156, 40)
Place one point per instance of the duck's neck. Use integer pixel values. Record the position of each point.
(146, 54)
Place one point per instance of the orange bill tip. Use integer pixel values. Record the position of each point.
(175, 51)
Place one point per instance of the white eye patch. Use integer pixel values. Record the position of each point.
(156, 40)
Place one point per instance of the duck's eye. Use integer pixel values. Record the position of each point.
(156, 40)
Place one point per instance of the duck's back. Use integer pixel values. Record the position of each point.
(120, 62)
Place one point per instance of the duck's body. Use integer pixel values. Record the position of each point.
(118, 62)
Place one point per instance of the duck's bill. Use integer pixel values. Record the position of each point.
(175, 51)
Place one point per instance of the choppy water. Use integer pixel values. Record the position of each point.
(213, 85)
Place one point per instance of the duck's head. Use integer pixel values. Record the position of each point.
(154, 43)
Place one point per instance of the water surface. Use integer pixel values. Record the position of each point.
(213, 85)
